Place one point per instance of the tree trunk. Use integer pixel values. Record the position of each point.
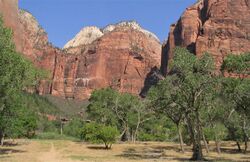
(197, 149)
(246, 144)
(1, 138)
(205, 143)
(246, 137)
(106, 146)
(238, 144)
(126, 135)
(217, 143)
(132, 136)
(180, 138)
(61, 127)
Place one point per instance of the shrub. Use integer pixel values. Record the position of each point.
(97, 133)
(89, 132)
(107, 135)
(52, 136)
(73, 128)
(146, 137)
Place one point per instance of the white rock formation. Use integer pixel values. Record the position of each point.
(89, 34)
(86, 36)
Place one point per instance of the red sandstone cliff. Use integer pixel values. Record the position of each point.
(9, 13)
(123, 55)
(218, 27)
(120, 56)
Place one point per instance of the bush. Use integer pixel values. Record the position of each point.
(73, 128)
(146, 137)
(45, 125)
(97, 133)
(89, 132)
(52, 136)
(107, 135)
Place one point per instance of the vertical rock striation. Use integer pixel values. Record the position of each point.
(219, 27)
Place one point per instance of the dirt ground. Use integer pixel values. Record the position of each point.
(68, 151)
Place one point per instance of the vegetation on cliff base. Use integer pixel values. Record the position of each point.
(16, 75)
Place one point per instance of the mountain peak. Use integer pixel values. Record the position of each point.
(89, 34)
(86, 36)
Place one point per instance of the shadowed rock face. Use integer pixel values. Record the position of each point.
(219, 27)
(119, 56)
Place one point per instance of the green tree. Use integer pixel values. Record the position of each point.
(237, 90)
(73, 128)
(164, 103)
(89, 132)
(189, 84)
(16, 74)
(122, 110)
(100, 106)
(98, 133)
(213, 116)
(107, 135)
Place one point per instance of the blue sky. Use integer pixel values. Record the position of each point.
(63, 19)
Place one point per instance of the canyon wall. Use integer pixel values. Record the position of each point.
(219, 27)
(125, 56)
(119, 56)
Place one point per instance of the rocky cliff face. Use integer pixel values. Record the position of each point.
(124, 55)
(121, 58)
(9, 13)
(218, 27)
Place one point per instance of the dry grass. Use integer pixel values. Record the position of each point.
(68, 151)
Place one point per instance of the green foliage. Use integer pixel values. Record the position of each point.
(237, 63)
(108, 135)
(146, 137)
(219, 132)
(101, 105)
(122, 110)
(89, 132)
(44, 125)
(73, 128)
(158, 129)
(97, 133)
(16, 75)
(184, 93)
(40, 104)
(52, 136)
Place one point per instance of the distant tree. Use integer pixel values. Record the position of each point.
(100, 106)
(73, 127)
(122, 110)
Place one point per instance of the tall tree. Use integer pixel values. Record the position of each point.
(163, 102)
(16, 74)
(237, 90)
(125, 111)
(189, 84)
